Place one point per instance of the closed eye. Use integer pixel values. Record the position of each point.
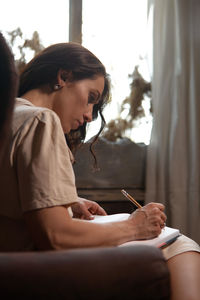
(93, 98)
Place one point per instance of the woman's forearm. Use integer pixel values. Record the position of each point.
(81, 233)
(54, 228)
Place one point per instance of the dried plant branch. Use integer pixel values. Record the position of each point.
(33, 44)
(116, 129)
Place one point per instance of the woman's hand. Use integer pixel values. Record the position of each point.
(85, 209)
(148, 220)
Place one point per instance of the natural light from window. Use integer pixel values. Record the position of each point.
(114, 30)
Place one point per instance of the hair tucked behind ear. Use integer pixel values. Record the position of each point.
(42, 70)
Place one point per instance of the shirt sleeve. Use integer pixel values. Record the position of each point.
(44, 169)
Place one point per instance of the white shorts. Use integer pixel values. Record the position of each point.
(181, 245)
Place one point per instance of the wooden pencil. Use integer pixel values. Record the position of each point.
(131, 198)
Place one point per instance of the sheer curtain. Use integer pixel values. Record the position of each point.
(173, 159)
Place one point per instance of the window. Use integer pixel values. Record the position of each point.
(49, 18)
(116, 31)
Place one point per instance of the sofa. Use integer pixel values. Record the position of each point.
(132, 272)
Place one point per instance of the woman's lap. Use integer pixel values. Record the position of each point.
(181, 245)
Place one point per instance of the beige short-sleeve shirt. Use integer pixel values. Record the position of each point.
(36, 171)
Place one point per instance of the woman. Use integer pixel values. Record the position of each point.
(61, 90)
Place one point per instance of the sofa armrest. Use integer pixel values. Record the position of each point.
(132, 272)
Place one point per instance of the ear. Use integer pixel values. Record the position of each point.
(63, 77)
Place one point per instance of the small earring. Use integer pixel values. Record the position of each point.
(57, 87)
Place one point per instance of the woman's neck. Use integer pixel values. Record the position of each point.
(38, 98)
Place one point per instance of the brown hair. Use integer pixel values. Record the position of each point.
(8, 85)
(73, 58)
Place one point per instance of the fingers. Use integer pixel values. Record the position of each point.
(96, 209)
(146, 226)
(86, 214)
(148, 221)
(155, 218)
(154, 204)
(156, 212)
(88, 208)
(152, 218)
(100, 211)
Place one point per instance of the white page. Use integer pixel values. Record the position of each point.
(110, 218)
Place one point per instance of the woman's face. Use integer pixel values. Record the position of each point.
(75, 100)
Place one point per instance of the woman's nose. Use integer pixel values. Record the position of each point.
(88, 114)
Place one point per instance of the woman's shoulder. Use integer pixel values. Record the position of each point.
(26, 113)
(32, 123)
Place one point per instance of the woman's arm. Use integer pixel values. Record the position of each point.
(53, 228)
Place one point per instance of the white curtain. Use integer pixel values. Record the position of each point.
(173, 159)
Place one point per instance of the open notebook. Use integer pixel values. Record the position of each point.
(166, 237)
